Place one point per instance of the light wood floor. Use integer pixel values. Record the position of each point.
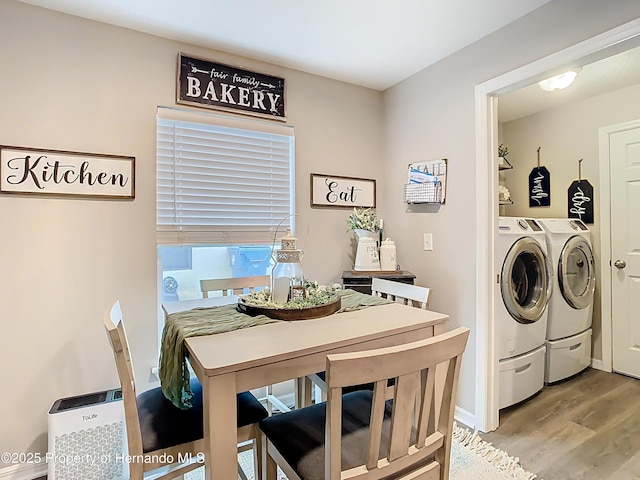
(585, 428)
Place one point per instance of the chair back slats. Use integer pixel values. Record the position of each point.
(375, 425)
(235, 285)
(411, 435)
(399, 292)
(404, 402)
(426, 420)
(118, 339)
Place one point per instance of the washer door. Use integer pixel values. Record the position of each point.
(576, 273)
(525, 281)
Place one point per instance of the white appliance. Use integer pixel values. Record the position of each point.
(522, 296)
(87, 438)
(571, 306)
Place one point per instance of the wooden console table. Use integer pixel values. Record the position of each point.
(361, 280)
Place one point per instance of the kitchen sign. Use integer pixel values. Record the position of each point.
(335, 191)
(54, 172)
(222, 87)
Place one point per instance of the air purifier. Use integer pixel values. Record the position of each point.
(87, 438)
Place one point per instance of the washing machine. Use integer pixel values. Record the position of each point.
(571, 306)
(525, 283)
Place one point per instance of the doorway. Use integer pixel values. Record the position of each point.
(601, 46)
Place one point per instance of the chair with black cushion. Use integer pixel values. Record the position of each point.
(405, 293)
(155, 426)
(360, 435)
(237, 286)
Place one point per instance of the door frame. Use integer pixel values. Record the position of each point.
(605, 237)
(601, 46)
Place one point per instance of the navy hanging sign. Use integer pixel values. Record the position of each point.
(223, 87)
(580, 201)
(539, 187)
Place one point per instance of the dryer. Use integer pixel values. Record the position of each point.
(525, 286)
(571, 306)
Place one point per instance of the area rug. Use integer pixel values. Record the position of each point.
(471, 459)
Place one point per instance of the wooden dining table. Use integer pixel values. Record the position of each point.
(240, 360)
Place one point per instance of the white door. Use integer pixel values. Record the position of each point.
(625, 250)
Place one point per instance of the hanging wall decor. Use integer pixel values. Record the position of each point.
(42, 171)
(539, 186)
(202, 83)
(580, 198)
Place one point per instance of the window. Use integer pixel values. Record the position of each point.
(223, 185)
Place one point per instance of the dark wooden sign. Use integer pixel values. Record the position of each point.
(539, 187)
(223, 87)
(580, 201)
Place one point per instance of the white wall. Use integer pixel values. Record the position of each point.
(565, 135)
(73, 84)
(432, 115)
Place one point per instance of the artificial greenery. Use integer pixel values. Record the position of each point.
(363, 219)
(503, 151)
(317, 295)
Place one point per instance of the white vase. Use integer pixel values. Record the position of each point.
(367, 257)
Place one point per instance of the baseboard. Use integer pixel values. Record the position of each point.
(23, 471)
(597, 364)
(464, 417)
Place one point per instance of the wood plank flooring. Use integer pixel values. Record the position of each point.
(585, 428)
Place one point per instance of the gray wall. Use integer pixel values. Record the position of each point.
(432, 115)
(73, 84)
(79, 85)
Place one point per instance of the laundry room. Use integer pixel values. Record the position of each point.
(561, 137)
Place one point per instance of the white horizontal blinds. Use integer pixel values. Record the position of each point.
(221, 184)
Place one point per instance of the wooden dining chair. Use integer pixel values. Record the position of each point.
(158, 430)
(405, 293)
(235, 285)
(360, 435)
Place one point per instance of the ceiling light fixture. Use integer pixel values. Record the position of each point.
(559, 81)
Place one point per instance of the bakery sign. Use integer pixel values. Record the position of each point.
(222, 87)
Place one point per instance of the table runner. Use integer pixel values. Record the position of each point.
(174, 371)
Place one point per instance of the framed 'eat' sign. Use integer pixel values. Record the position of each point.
(336, 191)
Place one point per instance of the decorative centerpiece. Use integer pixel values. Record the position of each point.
(287, 277)
(318, 301)
(364, 222)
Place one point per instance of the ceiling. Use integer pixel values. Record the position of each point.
(364, 42)
(373, 43)
(612, 73)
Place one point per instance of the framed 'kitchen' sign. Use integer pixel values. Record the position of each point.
(222, 87)
(335, 191)
(55, 172)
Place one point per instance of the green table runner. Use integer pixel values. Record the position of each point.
(174, 371)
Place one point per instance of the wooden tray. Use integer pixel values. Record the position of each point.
(290, 313)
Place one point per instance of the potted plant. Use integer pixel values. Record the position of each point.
(363, 219)
(503, 151)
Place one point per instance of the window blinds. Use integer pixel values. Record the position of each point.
(217, 183)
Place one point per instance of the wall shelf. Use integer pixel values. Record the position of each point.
(504, 164)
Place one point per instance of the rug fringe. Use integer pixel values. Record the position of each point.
(498, 458)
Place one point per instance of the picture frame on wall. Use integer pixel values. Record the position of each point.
(38, 171)
(334, 191)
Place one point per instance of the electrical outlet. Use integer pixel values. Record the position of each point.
(428, 241)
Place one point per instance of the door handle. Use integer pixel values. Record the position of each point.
(620, 264)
